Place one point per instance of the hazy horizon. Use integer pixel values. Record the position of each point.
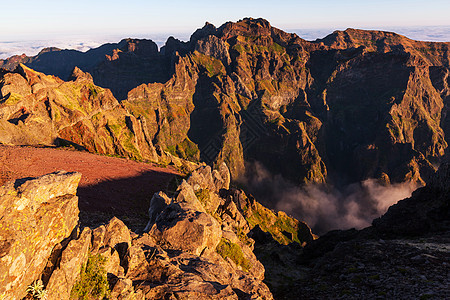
(84, 42)
(27, 26)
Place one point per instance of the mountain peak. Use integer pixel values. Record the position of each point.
(78, 74)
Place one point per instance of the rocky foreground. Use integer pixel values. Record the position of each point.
(195, 245)
(209, 241)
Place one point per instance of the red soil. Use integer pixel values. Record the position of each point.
(109, 186)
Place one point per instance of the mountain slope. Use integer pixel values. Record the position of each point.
(354, 105)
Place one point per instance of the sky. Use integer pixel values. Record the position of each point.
(83, 24)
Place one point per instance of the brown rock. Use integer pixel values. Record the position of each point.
(33, 221)
(180, 226)
(117, 236)
(72, 260)
(123, 290)
(136, 263)
(98, 235)
(112, 261)
(158, 203)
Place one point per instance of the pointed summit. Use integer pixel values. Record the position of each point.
(78, 74)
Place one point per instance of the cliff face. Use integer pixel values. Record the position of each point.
(38, 109)
(354, 105)
(36, 214)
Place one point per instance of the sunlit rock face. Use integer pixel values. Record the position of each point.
(36, 214)
(352, 106)
(197, 242)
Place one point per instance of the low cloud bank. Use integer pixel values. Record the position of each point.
(419, 33)
(80, 43)
(326, 208)
(84, 43)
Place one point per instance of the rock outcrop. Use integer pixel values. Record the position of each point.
(35, 215)
(38, 109)
(196, 244)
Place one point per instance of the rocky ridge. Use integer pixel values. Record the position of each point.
(196, 243)
(231, 93)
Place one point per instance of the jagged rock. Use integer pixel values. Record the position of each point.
(36, 214)
(283, 228)
(186, 196)
(75, 113)
(123, 290)
(146, 266)
(215, 47)
(117, 236)
(78, 74)
(224, 173)
(72, 260)
(158, 203)
(112, 261)
(208, 29)
(136, 263)
(182, 227)
(98, 235)
(202, 179)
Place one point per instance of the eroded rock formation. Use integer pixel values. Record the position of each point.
(35, 215)
(196, 244)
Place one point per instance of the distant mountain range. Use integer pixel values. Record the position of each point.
(354, 105)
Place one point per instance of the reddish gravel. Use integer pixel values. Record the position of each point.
(109, 186)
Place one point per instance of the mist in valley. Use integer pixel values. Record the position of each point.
(326, 208)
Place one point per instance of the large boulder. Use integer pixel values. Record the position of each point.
(35, 215)
(184, 224)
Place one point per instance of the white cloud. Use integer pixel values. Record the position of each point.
(84, 43)
(424, 33)
(80, 43)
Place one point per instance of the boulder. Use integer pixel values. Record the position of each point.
(202, 179)
(123, 290)
(36, 215)
(112, 261)
(180, 226)
(136, 263)
(186, 197)
(72, 260)
(98, 235)
(117, 236)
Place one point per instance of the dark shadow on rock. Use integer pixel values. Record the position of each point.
(278, 261)
(127, 199)
(59, 142)
(207, 127)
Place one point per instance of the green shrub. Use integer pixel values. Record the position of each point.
(93, 283)
(233, 251)
(203, 196)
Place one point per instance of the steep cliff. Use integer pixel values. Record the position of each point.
(354, 105)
